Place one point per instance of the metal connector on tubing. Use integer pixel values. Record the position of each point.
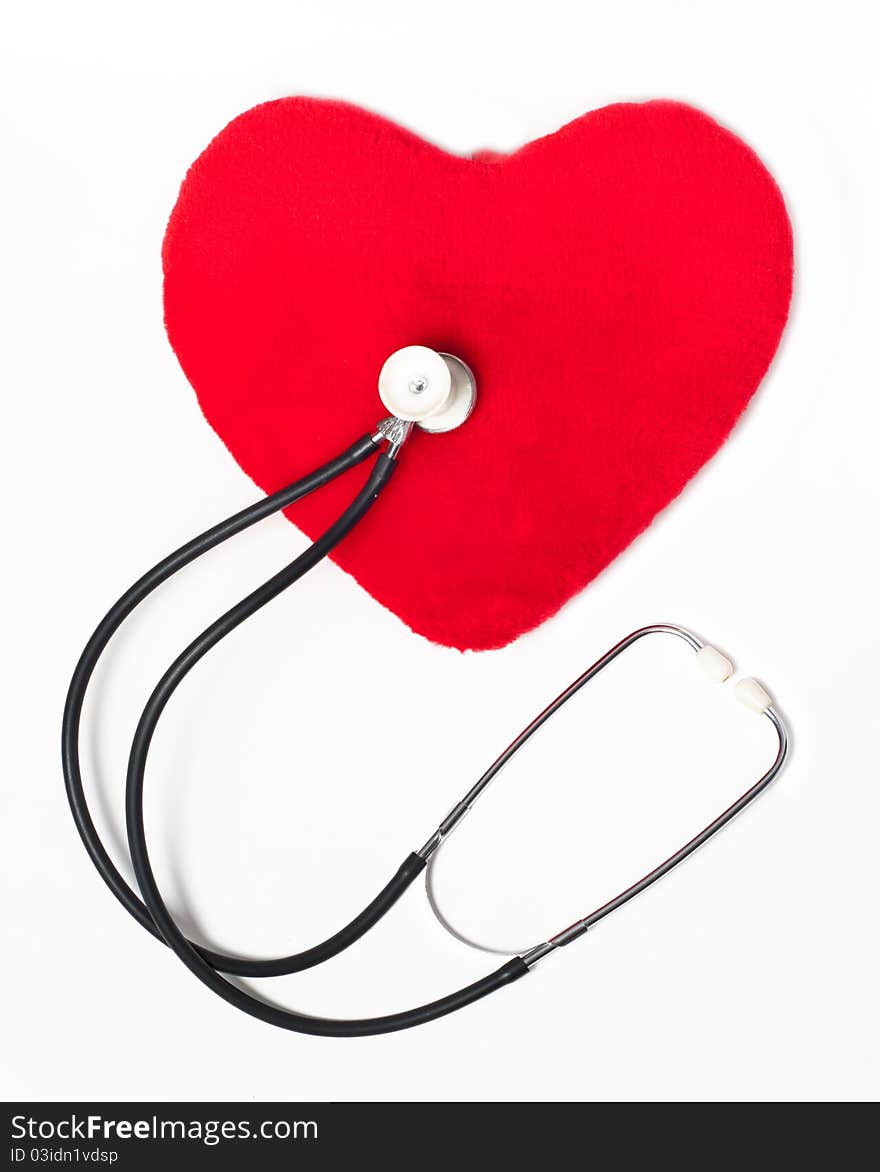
(425, 852)
(445, 828)
(395, 431)
(560, 940)
(531, 958)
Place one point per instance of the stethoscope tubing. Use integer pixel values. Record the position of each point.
(162, 919)
(359, 451)
(152, 912)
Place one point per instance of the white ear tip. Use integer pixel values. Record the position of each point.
(750, 693)
(414, 383)
(717, 667)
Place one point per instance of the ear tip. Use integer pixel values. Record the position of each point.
(717, 667)
(753, 694)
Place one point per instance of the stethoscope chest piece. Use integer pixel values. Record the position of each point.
(437, 391)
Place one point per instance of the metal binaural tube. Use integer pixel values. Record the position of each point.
(459, 810)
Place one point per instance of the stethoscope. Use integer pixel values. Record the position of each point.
(435, 392)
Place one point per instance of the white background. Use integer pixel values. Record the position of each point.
(278, 800)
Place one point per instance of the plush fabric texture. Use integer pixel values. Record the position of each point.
(618, 287)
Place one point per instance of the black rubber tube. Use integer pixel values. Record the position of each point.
(193, 958)
(411, 867)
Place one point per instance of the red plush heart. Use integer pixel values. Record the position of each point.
(619, 289)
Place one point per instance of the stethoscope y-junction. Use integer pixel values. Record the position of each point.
(437, 393)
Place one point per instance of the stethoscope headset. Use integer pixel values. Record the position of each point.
(435, 392)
